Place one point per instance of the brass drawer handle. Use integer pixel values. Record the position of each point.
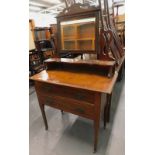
(79, 110)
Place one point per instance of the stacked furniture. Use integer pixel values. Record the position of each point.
(43, 42)
(35, 59)
(35, 62)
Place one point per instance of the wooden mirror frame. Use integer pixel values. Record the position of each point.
(76, 13)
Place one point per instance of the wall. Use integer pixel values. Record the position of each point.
(42, 20)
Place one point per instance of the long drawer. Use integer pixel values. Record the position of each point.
(77, 94)
(67, 104)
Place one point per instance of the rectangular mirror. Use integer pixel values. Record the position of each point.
(78, 34)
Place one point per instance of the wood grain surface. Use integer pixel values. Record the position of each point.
(93, 82)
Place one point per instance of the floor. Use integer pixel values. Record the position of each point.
(72, 135)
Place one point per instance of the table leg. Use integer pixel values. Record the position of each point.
(97, 119)
(96, 133)
(105, 116)
(121, 72)
(62, 112)
(43, 115)
(108, 106)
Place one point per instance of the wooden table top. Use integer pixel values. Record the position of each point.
(87, 81)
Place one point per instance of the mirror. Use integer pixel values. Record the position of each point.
(78, 34)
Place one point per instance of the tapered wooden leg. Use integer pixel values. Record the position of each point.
(121, 72)
(107, 110)
(62, 112)
(97, 119)
(108, 106)
(96, 133)
(105, 116)
(44, 116)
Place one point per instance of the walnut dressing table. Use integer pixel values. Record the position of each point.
(79, 91)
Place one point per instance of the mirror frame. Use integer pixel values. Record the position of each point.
(82, 15)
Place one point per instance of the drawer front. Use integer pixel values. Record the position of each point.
(78, 94)
(69, 105)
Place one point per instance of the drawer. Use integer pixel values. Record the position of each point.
(70, 105)
(75, 93)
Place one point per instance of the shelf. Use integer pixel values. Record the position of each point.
(86, 30)
(101, 67)
(40, 29)
(69, 39)
(46, 49)
(81, 39)
(69, 45)
(85, 39)
(68, 31)
(85, 44)
(79, 44)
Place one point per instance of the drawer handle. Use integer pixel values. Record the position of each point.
(79, 110)
(79, 96)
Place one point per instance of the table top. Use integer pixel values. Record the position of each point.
(82, 80)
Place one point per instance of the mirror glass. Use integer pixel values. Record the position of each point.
(78, 34)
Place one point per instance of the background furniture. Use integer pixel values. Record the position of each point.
(43, 42)
(119, 20)
(35, 62)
